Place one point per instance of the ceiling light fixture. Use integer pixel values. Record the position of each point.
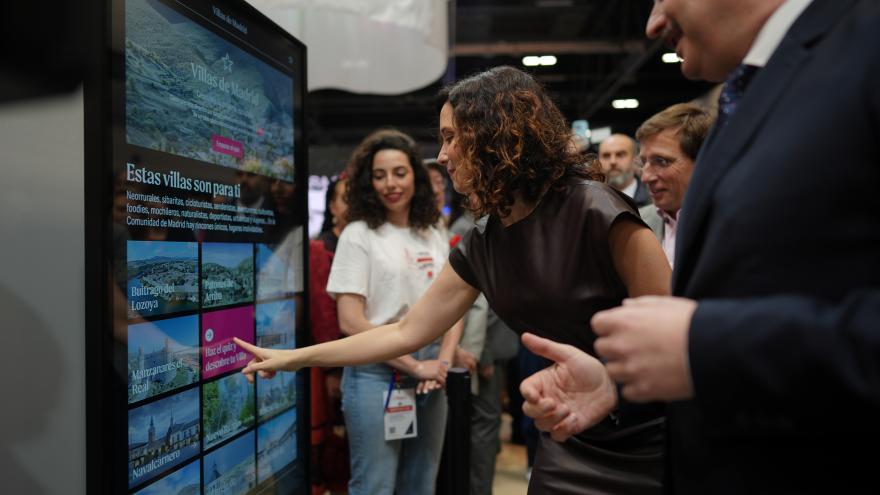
(548, 60)
(628, 103)
(534, 60)
(671, 58)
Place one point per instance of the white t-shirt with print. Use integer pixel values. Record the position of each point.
(390, 266)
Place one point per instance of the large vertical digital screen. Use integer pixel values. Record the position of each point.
(203, 238)
(232, 108)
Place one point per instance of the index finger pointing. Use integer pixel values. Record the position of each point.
(248, 347)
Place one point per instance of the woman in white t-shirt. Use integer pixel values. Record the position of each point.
(387, 256)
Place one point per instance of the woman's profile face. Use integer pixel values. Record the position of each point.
(393, 179)
(448, 155)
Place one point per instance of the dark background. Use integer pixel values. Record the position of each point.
(600, 45)
(602, 54)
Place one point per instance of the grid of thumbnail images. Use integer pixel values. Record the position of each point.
(195, 424)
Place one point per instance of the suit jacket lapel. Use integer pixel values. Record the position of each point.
(724, 146)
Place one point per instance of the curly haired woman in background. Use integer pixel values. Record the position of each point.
(387, 256)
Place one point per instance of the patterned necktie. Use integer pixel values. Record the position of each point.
(733, 91)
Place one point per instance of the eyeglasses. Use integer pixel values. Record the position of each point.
(656, 161)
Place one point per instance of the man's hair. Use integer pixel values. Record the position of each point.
(691, 122)
(633, 144)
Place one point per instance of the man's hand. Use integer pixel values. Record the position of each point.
(570, 396)
(645, 344)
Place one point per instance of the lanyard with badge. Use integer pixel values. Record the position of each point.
(400, 410)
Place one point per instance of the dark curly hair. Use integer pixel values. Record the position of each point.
(512, 140)
(363, 202)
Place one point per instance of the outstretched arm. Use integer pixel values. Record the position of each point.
(352, 320)
(444, 303)
(445, 358)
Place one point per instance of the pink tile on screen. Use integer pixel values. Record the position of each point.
(219, 353)
(227, 146)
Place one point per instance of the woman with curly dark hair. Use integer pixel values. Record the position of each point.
(387, 256)
(557, 245)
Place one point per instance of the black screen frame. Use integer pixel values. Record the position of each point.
(104, 133)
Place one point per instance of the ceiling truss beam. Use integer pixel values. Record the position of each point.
(547, 47)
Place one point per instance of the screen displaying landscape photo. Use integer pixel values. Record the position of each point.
(275, 276)
(230, 470)
(275, 394)
(192, 93)
(275, 324)
(227, 407)
(227, 273)
(276, 445)
(219, 353)
(162, 355)
(162, 277)
(162, 435)
(185, 481)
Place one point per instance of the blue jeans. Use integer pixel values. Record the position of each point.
(380, 467)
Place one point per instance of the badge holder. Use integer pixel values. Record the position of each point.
(400, 410)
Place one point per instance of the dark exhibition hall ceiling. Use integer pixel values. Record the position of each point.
(601, 50)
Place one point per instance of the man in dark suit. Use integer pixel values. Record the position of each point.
(769, 359)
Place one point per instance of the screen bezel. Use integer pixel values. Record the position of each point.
(104, 124)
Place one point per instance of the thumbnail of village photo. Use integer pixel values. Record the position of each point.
(185, 481)
(162, 435)
(219, 353)
(227, 274)
(274, 273)
(228, 408)
(230, 470)
(192, 93)
(275, 324)
(275, 394)
(163, 355)
(162, 277)
(276, 445)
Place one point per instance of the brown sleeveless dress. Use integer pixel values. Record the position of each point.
(548, 274)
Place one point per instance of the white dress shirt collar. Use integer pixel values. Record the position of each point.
(774, 30)
(630, 190)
